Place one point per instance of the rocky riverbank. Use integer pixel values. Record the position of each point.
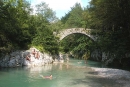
(119, 76)
(31, 57)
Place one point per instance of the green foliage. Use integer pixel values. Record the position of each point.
(47, 41)
(47, 12)
(112, 17)
(44, 26)
(14, 24)
(78, 44)
(57, 26)
(20, 30)
(74, 17)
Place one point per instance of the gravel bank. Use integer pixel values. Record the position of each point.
(120, 76)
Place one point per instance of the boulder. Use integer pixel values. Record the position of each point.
(25, 58)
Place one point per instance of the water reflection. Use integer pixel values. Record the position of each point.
(60, 66)
(36, 73)
(39, 69)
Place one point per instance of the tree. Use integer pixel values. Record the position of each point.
(78, 44)
(112, 18)
(74, 17)
(13, 21)
(47, 12)
(44, 29)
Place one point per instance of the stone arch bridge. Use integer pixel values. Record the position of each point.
(63, 33)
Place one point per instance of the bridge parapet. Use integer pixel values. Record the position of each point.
(67, 32)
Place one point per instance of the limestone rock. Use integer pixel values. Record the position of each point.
(19, 58)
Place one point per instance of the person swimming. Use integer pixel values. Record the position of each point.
(47, 77)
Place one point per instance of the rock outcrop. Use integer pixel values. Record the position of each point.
(31, 57)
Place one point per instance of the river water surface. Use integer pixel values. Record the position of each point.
(73, 74)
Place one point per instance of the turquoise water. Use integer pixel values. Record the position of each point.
(73, 74)
(89, 63)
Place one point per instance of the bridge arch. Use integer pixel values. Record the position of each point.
(63, 33)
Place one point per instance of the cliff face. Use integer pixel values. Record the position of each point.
(31, 57)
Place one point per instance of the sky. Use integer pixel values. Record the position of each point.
(61, 7)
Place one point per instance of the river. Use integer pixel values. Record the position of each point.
(72, 74)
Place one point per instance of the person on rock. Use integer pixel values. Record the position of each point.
(37, 55)
(28, 57)
(34, 52)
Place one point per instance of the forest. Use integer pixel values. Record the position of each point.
(21, 29)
